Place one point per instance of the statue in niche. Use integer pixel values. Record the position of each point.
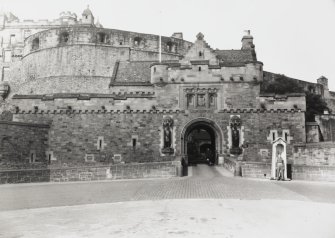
(167, 135)
(235, 125)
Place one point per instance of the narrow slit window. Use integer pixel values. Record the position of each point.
(273, 136)
(134, 142)
(100, 144)
(199, 69)
(286, 136)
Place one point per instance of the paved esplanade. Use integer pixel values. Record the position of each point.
(207, 204)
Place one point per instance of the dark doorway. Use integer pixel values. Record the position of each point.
(200, 142)
(289, 171)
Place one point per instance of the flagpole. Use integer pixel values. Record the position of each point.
(160, 48)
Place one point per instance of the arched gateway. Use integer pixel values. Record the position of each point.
(201, 141)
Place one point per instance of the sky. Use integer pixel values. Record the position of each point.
(292, 37)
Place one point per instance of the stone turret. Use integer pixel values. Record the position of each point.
(323, 81)
(247, 41)
(87, 17)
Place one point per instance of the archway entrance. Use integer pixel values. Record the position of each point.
(201, 142)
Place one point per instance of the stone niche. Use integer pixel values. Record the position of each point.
(167, 148)
(235, 135)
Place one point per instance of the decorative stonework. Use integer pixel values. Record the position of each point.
(200, 98)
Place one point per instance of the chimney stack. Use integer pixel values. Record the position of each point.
(247, 41)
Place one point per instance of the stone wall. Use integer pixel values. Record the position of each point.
(118, 171)
(256, 170)
(137, 136)
(23, 145)
(327, 126)
(316, 173)
(313, 133)
(315, 154)
(108, 172)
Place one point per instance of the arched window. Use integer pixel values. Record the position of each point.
(64, 37)
(137, 41)
(101, 37)
(171, 47)
(35, 44)
(199, 68)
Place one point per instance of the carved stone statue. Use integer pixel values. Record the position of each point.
(167, 130)
(235, 125)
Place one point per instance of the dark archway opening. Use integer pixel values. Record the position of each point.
(200, 145)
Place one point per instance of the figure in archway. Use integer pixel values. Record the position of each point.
(280, 164)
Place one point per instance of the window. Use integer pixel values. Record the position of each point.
(100, 144)
(200, 54)
(154, 69)
(273, 136)
(286, 136)
(32, 157)
(12, 39)
(35, 44)
(121, 42)
(101, 37)
(8, 56)
(5, 74)
(199, 68)
(170, 47)
(134, 142)
(137, 41)
(64, 37)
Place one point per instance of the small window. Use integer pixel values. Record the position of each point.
(49, 158)
(101, 37)
(137, 41)
(35, 44)
(5, 74)
(12, 39)
(64, 37)
(273, 136)
(170, 47)
(121, 43)
(134, 142)
(286, 136)
(100, 144)
(199, 68)
(200, 54)
(32, 157)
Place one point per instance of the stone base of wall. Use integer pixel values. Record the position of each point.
(256, 170)
(25, 176)
(119, 171)
(315, 173)
(232, 165)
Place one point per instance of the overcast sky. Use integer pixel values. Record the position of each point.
(292, 37)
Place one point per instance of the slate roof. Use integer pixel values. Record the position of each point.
(135, 71)
(236, 56)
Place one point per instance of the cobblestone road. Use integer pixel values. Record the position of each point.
(206, 182)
